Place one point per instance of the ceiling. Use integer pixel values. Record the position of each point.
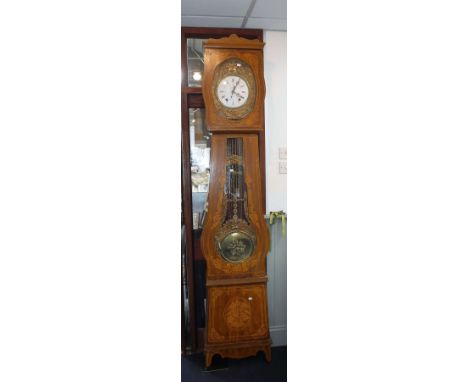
(261, 14)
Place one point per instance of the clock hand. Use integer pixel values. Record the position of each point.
(239, 95)
(235, 86)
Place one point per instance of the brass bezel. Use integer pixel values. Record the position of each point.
(229, 67)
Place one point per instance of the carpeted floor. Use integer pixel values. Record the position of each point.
(254, 369)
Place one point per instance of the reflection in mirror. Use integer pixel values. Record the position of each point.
(195, 64)
(200, 148)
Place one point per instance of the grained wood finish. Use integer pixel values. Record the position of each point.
(239, 281)
(197, 32)
(238, 351)
(208, 32)
(219, 50)
(192, 97)
(237, 312)
(255, 265)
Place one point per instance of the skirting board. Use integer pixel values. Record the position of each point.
(278, 335)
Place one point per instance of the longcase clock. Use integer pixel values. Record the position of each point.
(235, 238)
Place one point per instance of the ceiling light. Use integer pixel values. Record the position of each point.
(197, 76)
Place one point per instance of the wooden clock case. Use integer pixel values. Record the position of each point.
(237, 313)
(249, 51)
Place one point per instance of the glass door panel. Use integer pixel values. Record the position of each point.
(195, 64)
(200, 150)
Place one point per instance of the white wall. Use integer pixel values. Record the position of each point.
(275, 137)
(275, 117)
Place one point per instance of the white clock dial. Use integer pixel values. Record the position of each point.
(232, 91)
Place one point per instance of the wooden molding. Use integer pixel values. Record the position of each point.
(239, 281)
(238, 350)
(234, 42)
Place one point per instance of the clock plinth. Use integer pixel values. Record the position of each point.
(241, 350)
(235, 238)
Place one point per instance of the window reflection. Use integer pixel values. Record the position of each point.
(195, 64)
(200, 150)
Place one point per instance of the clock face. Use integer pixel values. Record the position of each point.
(234, 88)
(232, 91)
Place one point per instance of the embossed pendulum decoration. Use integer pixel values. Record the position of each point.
(235, 240)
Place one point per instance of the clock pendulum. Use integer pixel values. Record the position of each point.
(235, 238)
